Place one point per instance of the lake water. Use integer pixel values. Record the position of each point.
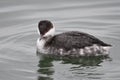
(18, 35)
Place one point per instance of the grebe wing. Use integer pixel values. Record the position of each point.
(74, 39)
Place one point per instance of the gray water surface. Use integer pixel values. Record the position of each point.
(18, 35)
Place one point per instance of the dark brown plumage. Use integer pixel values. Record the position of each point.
(73, 39)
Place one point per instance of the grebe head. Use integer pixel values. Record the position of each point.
(46, 28)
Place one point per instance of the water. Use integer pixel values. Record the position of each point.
(18, 35)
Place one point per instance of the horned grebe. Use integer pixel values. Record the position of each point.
(72, 43)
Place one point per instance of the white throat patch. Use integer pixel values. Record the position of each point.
(51, 32)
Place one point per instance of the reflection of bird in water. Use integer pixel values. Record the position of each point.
(72, 43)
(46, 67)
